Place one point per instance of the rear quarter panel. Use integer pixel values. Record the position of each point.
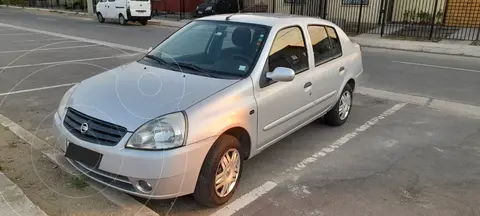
(352, 58)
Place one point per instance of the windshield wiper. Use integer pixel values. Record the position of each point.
(160, 61)
(197, 69)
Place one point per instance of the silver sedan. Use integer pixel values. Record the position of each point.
(185, 117)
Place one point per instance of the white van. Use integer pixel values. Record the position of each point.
(124, 11)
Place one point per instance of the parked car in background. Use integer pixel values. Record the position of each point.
(124, 11)
(211, 7)
(219, 91)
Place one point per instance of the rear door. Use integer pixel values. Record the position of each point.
(110, 9)
(140, 8)
(328, 69)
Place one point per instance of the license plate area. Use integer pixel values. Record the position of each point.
(83, 155)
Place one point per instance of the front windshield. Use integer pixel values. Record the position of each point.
(222, 48)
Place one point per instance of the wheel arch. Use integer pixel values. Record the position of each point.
(243, 137)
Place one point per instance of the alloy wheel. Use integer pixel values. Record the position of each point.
(227, 173)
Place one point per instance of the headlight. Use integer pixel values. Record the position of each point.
(162, 133)
(208, 8)
(197, 8)
(62, 108)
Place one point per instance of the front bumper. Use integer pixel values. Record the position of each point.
(172, 173)
(201, 13)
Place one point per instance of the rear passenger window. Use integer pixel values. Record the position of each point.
(322, 48)
(336, 46)
(288, 50)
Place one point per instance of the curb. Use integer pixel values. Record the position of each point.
(14, 202)
(174, 24)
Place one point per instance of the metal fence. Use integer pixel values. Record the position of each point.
(413, 19)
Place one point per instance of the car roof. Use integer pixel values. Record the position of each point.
(267, 19)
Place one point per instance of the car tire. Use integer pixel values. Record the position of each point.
(100, 18)
(205, 190)
(337, 117)
(122, 20)
(144, 22)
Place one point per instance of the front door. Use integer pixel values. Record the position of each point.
(282, 106)
(102, 8)
(110, 9)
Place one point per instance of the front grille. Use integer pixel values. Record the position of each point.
(99, 132)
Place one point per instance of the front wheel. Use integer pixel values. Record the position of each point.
(220, 173)
(144, 22)
(122, 20)
(100, 18)
(341, 111)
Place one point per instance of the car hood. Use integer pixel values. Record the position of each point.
(133, 94)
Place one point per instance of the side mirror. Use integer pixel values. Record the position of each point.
(281, 74)
(149, 49)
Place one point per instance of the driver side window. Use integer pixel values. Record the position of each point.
(288, 50)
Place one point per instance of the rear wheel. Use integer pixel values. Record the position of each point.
(122, 20)
(100, 18)
(341, 111)
(220, 173)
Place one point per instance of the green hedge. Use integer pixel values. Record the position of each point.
(21, 3)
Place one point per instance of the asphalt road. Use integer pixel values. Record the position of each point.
(390, 158)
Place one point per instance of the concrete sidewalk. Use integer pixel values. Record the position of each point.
(13, 202)
(453, 48)
(372, 40)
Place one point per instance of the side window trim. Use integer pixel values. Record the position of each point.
(263, 82)
(336, 34)
(331, 44)
(313, 49)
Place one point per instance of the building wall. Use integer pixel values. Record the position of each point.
(463, 13)
(174, 5)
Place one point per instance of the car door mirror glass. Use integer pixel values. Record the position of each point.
(281, 74)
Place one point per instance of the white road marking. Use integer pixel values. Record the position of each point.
(251, 196)
(347, 137)
(48, 19)
(67, 61)
(36, 89)
(246, 199)
(52, 39)
(437, 66)
(114, 45)
(55, 48)
(11, 34)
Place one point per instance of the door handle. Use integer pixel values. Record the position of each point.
(308, 84)
(342, 69)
